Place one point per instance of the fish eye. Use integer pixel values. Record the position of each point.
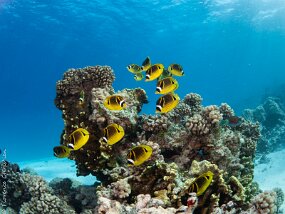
(158, 89)
(158, 108)
(147, 76)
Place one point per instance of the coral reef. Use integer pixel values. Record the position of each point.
(265, 202)
(187, 142)
(186, 135)
(271, 116)
(28, 193)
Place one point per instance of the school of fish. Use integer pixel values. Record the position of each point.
(113, 133)
(166, 84)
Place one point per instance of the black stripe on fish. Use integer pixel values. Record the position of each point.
(71, 146)
(158, 108)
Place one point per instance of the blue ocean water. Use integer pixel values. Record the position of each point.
(231, 50)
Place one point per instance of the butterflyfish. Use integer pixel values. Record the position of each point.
(134, 68)
(146, 64)
(154, 72)
(81, 98)
(166, 85)
(139, 154)
(200, 184)
(61, 151)
(115, 102)
(78, 138)
(113, 133)
(138, 76)
(167, 102)
(164, 74)
(176, 69)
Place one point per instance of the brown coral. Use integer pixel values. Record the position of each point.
(186, 142)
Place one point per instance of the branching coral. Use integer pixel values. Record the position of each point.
(186, 142)
(31, 194)
(226, 110)
(194, 101)
(265, 202)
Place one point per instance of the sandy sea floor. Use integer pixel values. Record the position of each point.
(272, 174)
(51, 168)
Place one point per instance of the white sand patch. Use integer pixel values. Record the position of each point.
(272, 175)
(50, 168)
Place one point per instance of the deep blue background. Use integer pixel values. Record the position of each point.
(231, 52)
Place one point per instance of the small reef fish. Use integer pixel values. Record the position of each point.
(164, 74)
(138, 77)
(78, 138)
(134, 68)
(146, 64)
(81, 98)
(166, 85)
(200, 184)
(61, 151)
(232, 121)
(115, 102)
(113, 133)
(154, 72)
(176, 69)
(139, 154)
(167, 102)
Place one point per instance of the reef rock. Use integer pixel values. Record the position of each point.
(271, 117)
(187, 142)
